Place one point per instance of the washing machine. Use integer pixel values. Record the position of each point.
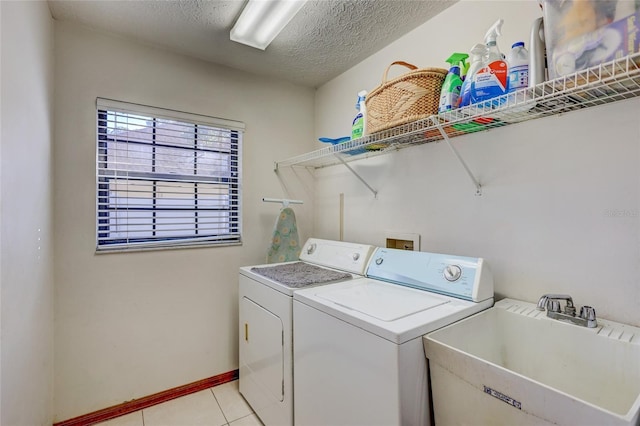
(358, 353)
(265, 326)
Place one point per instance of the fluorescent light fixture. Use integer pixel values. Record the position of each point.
(262, 20)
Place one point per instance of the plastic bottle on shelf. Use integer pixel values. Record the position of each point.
(479, 55)
(537, 54)
(359, 124)
(452, 83)
(491, 40)
(518, 62)
(492, 80)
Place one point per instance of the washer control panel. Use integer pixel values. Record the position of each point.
(458, 276)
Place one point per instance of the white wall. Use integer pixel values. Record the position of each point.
(26, 214)
(544, 221)
(129, 325)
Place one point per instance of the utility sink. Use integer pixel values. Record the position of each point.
(511, 365)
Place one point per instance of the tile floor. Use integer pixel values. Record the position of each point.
(219, 406)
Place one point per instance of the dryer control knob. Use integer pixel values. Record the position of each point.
(379, 261)
(452, 272)
(311, 248)
(356, 256)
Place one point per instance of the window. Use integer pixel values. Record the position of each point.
(166, 178)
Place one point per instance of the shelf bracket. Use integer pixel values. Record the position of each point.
(455, 152)
(375, 193)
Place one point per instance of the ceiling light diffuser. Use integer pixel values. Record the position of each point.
(262, 20)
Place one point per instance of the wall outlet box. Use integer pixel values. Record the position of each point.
(402, 241)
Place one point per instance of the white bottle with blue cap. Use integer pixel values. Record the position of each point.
(518, 61)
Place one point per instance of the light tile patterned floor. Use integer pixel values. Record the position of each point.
(218, 406)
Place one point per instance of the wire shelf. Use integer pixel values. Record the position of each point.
(606, 83)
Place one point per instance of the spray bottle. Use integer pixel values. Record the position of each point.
(359, 125)
(492, 80)
(452, 83)
(490, 39)
(464, 68)
(479, 55)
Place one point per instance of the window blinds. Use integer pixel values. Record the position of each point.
(166, 178)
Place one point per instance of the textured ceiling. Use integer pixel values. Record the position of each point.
(324, 39)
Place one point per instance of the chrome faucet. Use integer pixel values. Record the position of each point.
(551, 302)
(548, 299)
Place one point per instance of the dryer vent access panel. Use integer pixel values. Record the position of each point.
(402, 241)
(400, 244)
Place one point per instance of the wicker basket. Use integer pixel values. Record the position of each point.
(412, 96)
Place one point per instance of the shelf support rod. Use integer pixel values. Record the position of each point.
(455, 152)
(375, 193)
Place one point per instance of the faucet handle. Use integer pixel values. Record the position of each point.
(588, 313)
(542, 303)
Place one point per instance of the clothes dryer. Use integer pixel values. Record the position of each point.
(265, 326)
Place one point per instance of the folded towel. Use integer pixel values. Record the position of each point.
(285, 246)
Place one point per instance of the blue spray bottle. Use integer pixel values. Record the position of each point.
(479, 57)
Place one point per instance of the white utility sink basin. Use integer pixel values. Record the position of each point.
(511, 365)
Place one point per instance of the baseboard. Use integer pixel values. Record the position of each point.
(148, 401)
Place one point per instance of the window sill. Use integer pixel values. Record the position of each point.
(208, 244)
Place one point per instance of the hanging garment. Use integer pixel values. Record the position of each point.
(285, 246)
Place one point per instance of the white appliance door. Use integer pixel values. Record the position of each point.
(383, 301)
(261, 348)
